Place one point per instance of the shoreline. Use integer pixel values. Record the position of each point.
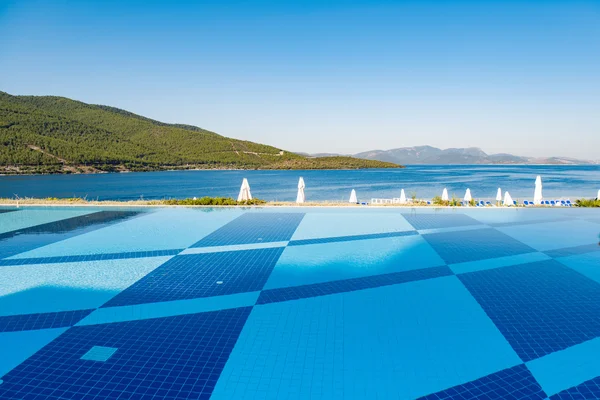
(100, 172)
(195, 169)
(30, 202)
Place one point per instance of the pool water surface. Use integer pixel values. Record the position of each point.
(299, 303)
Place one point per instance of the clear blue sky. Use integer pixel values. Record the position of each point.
(325, 76)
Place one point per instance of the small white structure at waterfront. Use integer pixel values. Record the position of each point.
(445, 194)
(537, 194)
(508, 201)
(499, 195)
(244, 191)
(402, 197)
(468, 196)
(301, 198)
(353, 198)
(598, 195)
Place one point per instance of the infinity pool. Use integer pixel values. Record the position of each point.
(299, 303)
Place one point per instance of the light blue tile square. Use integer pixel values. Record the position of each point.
(587, 264)
(567, 368)
(38, 288)
(513, 215)
(323, 225)
(25, 218)
(16, 347)
(554, 235)
(490, 263)
(171, 228)
(99, 353)
(401, 341)
(301, 265)
(107, 315)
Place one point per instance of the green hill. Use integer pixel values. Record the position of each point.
(47, 134)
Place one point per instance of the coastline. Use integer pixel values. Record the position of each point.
(197, 169)
(100, 172)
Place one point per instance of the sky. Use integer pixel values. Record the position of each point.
(325, 76)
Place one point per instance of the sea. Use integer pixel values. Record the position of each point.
(421, 181)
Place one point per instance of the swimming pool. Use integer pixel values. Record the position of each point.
(296, 303)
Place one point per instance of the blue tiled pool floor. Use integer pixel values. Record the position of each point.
(299, 303)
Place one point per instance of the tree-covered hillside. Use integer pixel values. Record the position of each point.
(46, 134)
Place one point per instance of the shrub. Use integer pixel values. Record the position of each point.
(437, 200)
(587, 203)
(212, 201)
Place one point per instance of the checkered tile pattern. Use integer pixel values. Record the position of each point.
(433, 221)
(22, 240)
(528, 311)
(349, 285)
(587, 390)
(202, 275)
(515, 383)
(27, 322)
(480, 244)
(254, 228)
(560, 310)
(170, 358)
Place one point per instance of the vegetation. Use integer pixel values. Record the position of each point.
(453, 202)
(212, 201)
(46, 134)
(587, 203)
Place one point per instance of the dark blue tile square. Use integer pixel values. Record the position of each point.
(587, 390)
(516, 383)
(89, 257)
(28, 322)
(151, 353)
(196, 275)
(439, 220)
(474, 245)
(254, 228)
(540, 307)
(573, 251)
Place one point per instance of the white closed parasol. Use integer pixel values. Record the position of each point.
(301, 198)
(537, 194)
(245, 191)
(445, 194)
(353, 198)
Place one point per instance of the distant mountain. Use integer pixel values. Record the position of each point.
(48, 134)
(470, 155)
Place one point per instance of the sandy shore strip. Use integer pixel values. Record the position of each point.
(78, 202)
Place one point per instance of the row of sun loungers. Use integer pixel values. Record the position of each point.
(481, 203)
(558, 203)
